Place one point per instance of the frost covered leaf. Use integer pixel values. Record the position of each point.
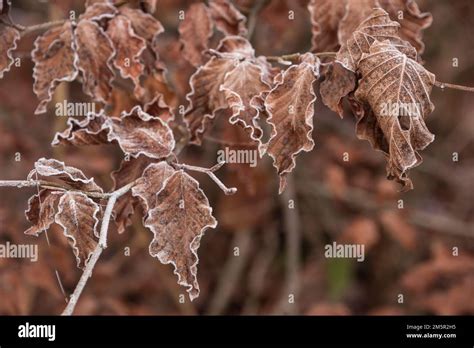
(95, 52)
(290, 106)
(89, 131)
(139, 133)
(5, 6)
(71, 176)
(78, 216)
(206, 97)
(8, 38)
(340, 79)
(411, 19)
(244, 88)
(227, 18)
(325, 17)
(98, 11)
(178, 222)
(125, 206)
(144, 25)
(41, 210)
(150, 183)
(128, 47)
(377, 26)
(338, 83)
(395, 91)
(195, 31)
(55, 60)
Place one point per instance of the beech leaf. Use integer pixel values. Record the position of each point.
(128, 47)
(55, 59)
(88, 131)
(144, 25)
(395, 91)
(8, 38)
(139, 133)
(71, 176)
(195, 31)
(41, 210)
(325, 17)
(290, 106)
(206, 97)
(151, 182)
(227, 18)
(178, 222)
(78, 216)
(99, 11)
(95, 51)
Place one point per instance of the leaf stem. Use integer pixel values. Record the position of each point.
(295, 56)
(210, 173)
(444, 85)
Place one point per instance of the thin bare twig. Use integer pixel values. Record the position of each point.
(444, 85)
(210, 173)
(98, 249)
(252, 17)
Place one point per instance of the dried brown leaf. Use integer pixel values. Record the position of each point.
(99, 11)
(71, 176)
(325, 18)
(89, 131)
(78, 216)
(8, 38)
(139, 133)
(128, 47)
(195, 31)
(125, 206)
(150, 184)
(206, 97)
(227, 18)
(290, 105)
(95, 52)
(178, 222)
(41, 210)
(395, 91)
(55, 61)
(144, 25)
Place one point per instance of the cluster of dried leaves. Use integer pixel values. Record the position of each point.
(115, 43)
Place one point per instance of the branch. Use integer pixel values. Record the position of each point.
(50, 185)
(252, 18)
(98, 249)
(444, 85)
(295, 56)
(210, 172)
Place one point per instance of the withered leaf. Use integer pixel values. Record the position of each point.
(95, 52)
(99, 11)
(125, 206)
(144, 25)
(55, 60)
(411, 19)
(195, 31)
(151, 182)
(377, 26)
(128, 47)
(340, 79)
(78, 216)
(395, 91)
(325, 17)
(178, 222)
(71, 176)
(8, 38)
(5, 6)
(139, 133)
(227, 18)
(206, 97)
(89, 131)
(290, 106)
(41, 210)
(244, 88)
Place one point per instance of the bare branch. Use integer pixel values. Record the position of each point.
(97, 251)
